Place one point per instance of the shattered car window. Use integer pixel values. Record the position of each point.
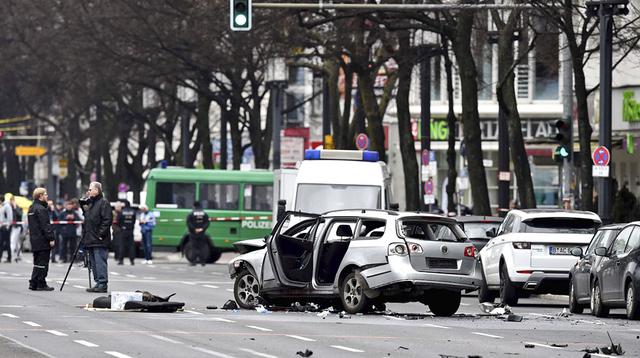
(430, 231)
(371, 229)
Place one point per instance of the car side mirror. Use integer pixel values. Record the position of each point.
(576, 251)
(492, 232)
(601, 251)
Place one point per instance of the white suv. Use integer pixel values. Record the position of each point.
(531, 253)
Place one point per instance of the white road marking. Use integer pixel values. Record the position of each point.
(542, 345)
(348, 349)
(56, 333)
(188, 283)
(148, 278)
(261, 329)
(10, 315)
(166, 339)
(11, 306)
(32, 324)
(486, 335)
(2, 273)
(28, 261)
(78, 286)
(27, 347)
(15, 274)
(59, 282)
(114, 273)
(194, 312)
(210, 286)
(86, 343)
(213, 353)
(394, 317)
(541, 315)
(436, 326)
(300, 338)
(250, 351)
(636, 330)
(223, 320)
(229, 290)
(464, 304)
(117, 354)
(130, 275)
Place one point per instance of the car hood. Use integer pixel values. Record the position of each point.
(245, 246)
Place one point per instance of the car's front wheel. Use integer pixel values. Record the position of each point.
(444, 303)
(508, 292)
(574, 306)
(246, 290)
(632, 302)
(352, 294)
(597, 308)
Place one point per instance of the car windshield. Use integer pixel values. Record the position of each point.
(479, 230)
(560, 225)
(432, 231)
(320, 198)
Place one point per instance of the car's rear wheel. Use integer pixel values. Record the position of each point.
(246, 290)
(484, 293)
(508, 292)
(574, 306)
(597, 308)
(352, 294)
(444, 303)
(632, 302)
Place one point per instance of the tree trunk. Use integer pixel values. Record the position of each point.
(452, 173)
(470, 115)
(405, 60)
(202, 118)
(584, 136)
(236, 136)
(371, 109)
(224, 114)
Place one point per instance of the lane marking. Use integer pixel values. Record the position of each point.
(78, 286)
(464, 304)
(348, 349)
(188, 283)
(32, 324)
(250, 351)
(166, 339)
(27, 346)
(148, 278)
(2, 273)
(131, 276)
(10, 315)
(436, 326)
(486, 335)
(11, 306)
(300, 338)
(15, 274)
(59, 282)
(542, 345)
(114, 273)
(194, 312)
(636, 330)
(394, 317)
(229, 290)
(86, 343)
(223, 320)
(117, 354)
(210, 286)
(213, 353)
(260, 328)
(56, 333)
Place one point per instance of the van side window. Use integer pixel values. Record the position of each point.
(258, 197)
(175, 195)
(220, 196)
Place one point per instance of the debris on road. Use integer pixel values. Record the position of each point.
(402, 347)
(613, 349)
(529, 345)
(514, 318)
(142, 301)
(309, 307)
(591, 350)
(230, 305)
(306, 353)
(559, 345)
(497, 309)
(212, 307)
(261, 309)
(343, 315)
(323, 314)
(564, 313)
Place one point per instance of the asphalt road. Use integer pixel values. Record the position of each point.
(57, 324)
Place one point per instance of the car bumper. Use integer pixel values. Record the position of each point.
(399, 270)
(544, 282)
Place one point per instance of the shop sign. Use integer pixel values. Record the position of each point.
(531, 129)
(630, 107)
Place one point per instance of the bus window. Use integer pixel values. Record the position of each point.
(220, 196)
(175, 195)
(258, 197)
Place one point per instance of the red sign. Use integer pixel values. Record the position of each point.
(425, 157)
(601, 156)
(428, 187)
(362, 141)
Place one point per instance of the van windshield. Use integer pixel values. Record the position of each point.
(320, 198)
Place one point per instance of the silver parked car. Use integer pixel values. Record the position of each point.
(359, 258)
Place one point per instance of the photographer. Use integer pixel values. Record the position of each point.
(96, 234)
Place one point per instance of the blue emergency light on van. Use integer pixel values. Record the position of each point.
(363, 155)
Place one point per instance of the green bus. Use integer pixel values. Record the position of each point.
(239, 205)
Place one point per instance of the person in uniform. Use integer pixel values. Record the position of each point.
(42, 238)
(198, 222)
(126, 221)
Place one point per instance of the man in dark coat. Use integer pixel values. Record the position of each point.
(42, 240)
(198, 222)
(96, 234)
(126, 221)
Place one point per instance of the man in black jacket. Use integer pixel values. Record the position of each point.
(126, 221)
(198, 222)
(96, 234)
(42, 240)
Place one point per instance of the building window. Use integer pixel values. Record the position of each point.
(295, 108)
(547, 67)
(296, 76)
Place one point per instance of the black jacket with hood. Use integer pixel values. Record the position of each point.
(96, 230)
(40, 229)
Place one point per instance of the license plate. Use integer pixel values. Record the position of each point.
(559, 250)
(437, 263)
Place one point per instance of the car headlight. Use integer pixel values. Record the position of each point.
(398, 249)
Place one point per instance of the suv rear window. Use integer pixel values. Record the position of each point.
(560, 225)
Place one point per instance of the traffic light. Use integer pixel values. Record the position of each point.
(240, 15)
(564, 138)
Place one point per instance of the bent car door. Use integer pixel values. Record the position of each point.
(290, 251)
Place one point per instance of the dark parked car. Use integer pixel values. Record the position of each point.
(480, 229)
(583, 272)
(617, 277)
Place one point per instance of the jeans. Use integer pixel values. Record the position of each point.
(98, 260)
(146, 244)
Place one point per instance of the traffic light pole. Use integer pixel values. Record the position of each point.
(425, 107)
(567, 111)
(605, 196)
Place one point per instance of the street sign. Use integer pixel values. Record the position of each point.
(428, 187)
(429, 199)
(27, 151)
(362, 141)
(504, 176)
(601, 156)
(425, 157)
(601, 171)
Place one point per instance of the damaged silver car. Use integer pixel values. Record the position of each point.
(359, 258)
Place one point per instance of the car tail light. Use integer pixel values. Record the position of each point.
(397, 249)
(415, 249)
(522, 245)
(527, 272)
(470, 251)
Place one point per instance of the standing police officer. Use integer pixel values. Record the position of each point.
(198, 222)
(126, 220)
(42, 239)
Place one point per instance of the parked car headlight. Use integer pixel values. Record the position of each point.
(522, 245)
(397, 248)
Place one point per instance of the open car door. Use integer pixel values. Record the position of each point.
(290, 250)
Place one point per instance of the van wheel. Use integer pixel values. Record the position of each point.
(597, 308)
(632, 302)
(508, 292)
(246, 290)
(352, 294)
(484, 293)
(444, 303)
(574, 306)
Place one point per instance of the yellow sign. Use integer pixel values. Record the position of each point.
(30, 151)
(63, 163)
(328, 142)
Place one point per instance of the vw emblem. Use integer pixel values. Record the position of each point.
(444, 249)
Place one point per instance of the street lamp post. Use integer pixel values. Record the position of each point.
(276, 79)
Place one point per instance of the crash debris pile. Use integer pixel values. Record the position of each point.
(499, 310)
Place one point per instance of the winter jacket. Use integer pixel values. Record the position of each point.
(40, 229)
(147, 221)
(68, 230)
(6, 216)
(197, 219)
(96, 230)
(127, 219)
